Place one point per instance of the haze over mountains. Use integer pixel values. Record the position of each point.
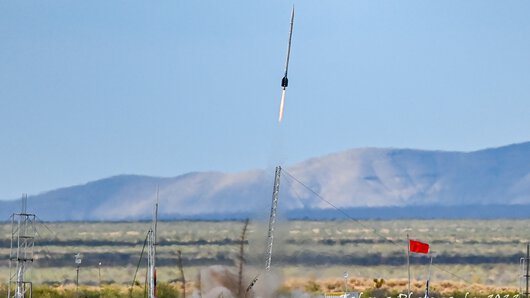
(367, 182)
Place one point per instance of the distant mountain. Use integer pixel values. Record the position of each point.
(368, 181)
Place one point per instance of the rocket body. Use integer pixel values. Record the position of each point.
(285, 80)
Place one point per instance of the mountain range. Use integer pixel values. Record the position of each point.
(364, 182)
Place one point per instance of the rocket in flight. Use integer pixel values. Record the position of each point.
(285, 81)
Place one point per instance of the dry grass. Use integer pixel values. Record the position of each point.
(296, 239)
(316, 287)
(443, 288)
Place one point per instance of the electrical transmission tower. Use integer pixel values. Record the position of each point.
(21, 256)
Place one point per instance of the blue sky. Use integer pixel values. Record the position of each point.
(91, 89)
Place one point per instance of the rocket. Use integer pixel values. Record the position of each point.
(285, 81)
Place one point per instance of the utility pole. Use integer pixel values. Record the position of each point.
(21, 256)
(78, 259)
(99, 276)
(524, 272)
(527, 265)
(345, 276)
(408, 264)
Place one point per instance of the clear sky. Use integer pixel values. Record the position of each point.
(91, 89)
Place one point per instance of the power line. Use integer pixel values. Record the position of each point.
(340, 210)
(138, 266)
(41, 222)
(360, 223)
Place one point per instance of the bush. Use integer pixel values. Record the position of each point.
(165, 290)
(312, 287)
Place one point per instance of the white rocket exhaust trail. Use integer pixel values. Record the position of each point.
(281, 105)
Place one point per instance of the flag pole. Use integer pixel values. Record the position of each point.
(428, 279)
(408, 263)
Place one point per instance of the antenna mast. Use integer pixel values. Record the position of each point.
(151, 253)
(21, 255)
(272, 220)
(524, 273)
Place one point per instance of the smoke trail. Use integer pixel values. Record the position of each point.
(282, 102)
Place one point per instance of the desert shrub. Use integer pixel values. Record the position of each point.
(378, 283)
(312, 287)
(165, 290)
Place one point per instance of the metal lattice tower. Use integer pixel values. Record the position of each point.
(150, 264)
(272, 220)
(21, 256)
(151, 254)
